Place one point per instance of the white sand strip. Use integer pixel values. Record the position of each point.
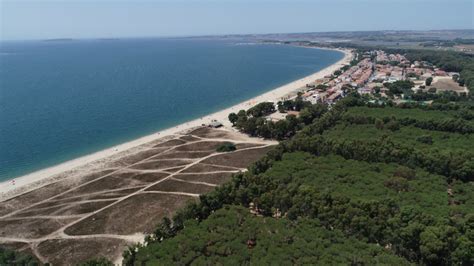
(42, 177)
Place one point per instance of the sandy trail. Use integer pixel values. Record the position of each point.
(133, 238)
(60, 231)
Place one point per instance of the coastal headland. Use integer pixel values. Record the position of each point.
(98, 204)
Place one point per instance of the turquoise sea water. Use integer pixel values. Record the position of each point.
(61, 100)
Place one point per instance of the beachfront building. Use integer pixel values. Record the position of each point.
(215, 124)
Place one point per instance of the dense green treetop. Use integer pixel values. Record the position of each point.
(233, 236)
(10, 257)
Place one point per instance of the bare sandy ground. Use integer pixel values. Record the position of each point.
(92, 162)
(447, 84)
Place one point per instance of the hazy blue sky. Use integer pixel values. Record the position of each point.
(108, 18)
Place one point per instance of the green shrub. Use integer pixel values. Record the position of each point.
(393, 125)
(397, 183)
(427, 139)
(10, 257)
(405, 172)
(428, 81)
(226, 147)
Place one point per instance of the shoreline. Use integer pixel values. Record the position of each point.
(19, 185)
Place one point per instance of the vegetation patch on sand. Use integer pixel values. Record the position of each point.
(226, 147)
(142, 212)
(172, 185)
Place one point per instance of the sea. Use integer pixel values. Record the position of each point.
(67, 98)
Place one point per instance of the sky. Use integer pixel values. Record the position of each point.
(36, 19)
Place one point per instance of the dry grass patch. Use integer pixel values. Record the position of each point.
(47, 191)
(115, 181)
(31, 227)
(66, 209)
(170, 143)
(184, 155)
(101, 195)
(214, 178)
(200, 146)
(15, 245)
(161, 164)
(200, 168)
(171, 185)
(137, 214)
(447, 84)
(239, 159)
(74, 251)
(189, 138)
(149, 177)
(174, 169)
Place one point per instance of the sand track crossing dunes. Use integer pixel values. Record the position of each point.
(97, 213)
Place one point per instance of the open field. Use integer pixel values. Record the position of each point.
(447, 84)
(99, 213)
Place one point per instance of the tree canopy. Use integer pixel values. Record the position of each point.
(395, 181)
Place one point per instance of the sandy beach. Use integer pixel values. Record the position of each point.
(96, 160)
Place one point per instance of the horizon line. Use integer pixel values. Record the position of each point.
(221, 35)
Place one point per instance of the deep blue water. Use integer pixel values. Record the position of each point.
(61, 100)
